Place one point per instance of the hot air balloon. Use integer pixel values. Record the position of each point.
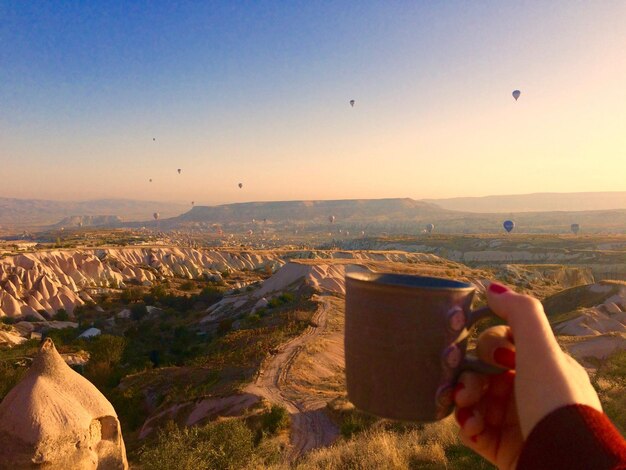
(331, 219)
(430, 228)
(179, 170)
(508, 225)
(154, 139)
(240, 185)
(156, 216)
(193, 203)
(150, 180)
(516, 94)
(575, 228)
(352, 103)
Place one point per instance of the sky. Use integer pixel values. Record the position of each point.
(98, 97)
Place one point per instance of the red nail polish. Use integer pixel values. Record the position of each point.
(457, 388)
(505, 357)
(497, 288)
(463, 414)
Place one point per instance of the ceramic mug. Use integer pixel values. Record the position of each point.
(405, 343)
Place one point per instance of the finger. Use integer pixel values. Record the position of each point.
(496, 445)
(470, 388)
(494, 346)
(470, 420)
(528, 322)
(499, 398)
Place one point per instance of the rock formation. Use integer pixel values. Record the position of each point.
(41, 283)
(55, 418)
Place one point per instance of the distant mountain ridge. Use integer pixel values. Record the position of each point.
(41, 212)
(536, 202)
(394, 216)
(362, 210)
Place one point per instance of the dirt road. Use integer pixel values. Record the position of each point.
(310, 425)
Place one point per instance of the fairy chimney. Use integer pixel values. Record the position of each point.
(55, 418)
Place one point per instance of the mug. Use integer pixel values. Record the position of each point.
(405, 343)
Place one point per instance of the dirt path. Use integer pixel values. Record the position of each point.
(310, 425)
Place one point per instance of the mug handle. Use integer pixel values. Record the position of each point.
(472, 363)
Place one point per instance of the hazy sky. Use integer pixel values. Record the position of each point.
(258, 93)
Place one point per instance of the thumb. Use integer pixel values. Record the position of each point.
(530, 327)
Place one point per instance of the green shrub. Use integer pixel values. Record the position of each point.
(63, 336)
(9, 377)
(225, 325)
(133, 294)
(138, 311)
(62, 315)
(188, 285)
(355, 423)
(210, 294)
(253, 319)
(282, 299)
(158, 291)
(276, 419)
(223, 445)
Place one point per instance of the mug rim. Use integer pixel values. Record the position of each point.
(387, 279)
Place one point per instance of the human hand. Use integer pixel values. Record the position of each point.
(497, 413)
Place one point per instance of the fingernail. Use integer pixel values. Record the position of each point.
(505, 357)
(463, 414)
(457, 388)
(498, 288)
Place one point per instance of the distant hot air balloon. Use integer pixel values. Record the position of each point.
(154, 139)
(430, 228)
(193, 203)
(508, 225)
(331, 219)
(156, 216)
(150, 180)
(352, 103)
(516, 94)
(575, 228)
(240, 185)
(179, 170)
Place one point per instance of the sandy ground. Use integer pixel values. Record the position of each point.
(311, 427)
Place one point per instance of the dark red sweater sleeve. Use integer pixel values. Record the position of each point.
(574, 437)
